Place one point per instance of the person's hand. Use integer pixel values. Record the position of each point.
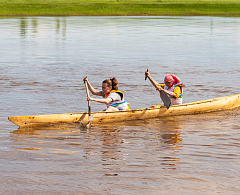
(85, 79)
(89, 98)
(159, 88)
(147, 74)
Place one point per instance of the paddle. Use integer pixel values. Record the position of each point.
(163, 95)
(89, 105)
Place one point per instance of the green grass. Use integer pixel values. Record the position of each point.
(118, 7)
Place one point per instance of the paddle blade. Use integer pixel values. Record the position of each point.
(165, 98)
(89, 110)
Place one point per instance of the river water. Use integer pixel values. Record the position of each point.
(42, 63)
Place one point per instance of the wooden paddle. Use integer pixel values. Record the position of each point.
(89, 105)
(163, 95)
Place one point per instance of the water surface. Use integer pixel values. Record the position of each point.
(43, 62)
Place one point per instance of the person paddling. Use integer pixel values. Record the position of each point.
(172, 87)
(114, 98)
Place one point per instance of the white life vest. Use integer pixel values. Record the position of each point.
(120, 105)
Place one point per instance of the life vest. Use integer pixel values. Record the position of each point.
(180, 85)
(120, 105)
(175, 101)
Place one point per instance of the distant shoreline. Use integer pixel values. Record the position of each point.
(120, 8)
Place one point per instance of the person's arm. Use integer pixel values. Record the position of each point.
(103, 101)
(156, 85)
(93, 91)
(175, 94)
(161, 87)
(166, 91)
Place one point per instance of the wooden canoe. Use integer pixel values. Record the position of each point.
(216, 104)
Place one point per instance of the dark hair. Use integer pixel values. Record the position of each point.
(112, 82)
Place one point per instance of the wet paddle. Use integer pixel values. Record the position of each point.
(165, 98)
(163, 95)
(89, 105)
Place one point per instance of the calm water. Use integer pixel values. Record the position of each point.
(42, 63)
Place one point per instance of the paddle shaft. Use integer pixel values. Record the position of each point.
(150, 79)
(89, 105)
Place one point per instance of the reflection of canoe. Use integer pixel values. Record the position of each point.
(210, 105)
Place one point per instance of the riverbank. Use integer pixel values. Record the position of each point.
(119, 8)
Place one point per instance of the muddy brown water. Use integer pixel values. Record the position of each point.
(42, 63)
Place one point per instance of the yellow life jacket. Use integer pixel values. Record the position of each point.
(117, 91)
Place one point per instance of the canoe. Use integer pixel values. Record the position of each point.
(216, 104)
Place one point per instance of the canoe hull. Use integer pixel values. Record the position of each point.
(223, 103)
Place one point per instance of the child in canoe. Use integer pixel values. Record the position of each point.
(114, 98)
(172, 87)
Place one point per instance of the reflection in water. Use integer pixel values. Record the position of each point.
(57, 26)
(149, 151)
(172, 131)
(111, 152)
(105, 142)
(171, 140)
(36, 25)
(23, 27)
(61, 24)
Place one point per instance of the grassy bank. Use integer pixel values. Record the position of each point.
(118, 7)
